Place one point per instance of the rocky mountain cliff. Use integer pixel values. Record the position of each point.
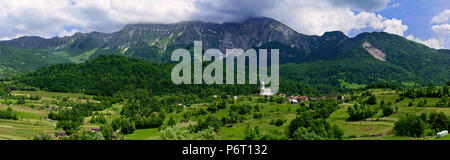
(162, 38)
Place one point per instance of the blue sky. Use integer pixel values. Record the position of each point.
(416, 14)
(424, 21)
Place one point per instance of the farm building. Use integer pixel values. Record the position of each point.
(51, 107)
(297, 99)
(332, 97)
(95, 129)
(60, 134)
(293, 101)
(303, 98)
(442, 134)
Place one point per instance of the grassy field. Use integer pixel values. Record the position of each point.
(31, 117)
(30, 123)
(379, 124)
(32, 114)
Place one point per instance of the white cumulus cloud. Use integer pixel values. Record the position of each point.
(441, 17)
(441, 31)
(432, 42)
(394, 26)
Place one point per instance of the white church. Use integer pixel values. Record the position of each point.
(265, 91)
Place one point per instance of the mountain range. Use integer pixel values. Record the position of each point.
(328, 60)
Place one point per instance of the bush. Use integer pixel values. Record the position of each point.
(352, 136)
(372, 100)
(8, 114)
(422, 103)
(387, 110)
(35, 97)
(174, 133)
(277, 122)
(107, 131)
(251, 133)
(438, 121)
(42, 136)
(241, 109)
(320, 127)
(177, 133)
(303, 134)
(211, 121)
(212, 109)
(206, 134)
(358, 113)
(412, 126)
(68, 126)
(257, 115)
(171, 122)
(429, 132)
(128, 126)
(98, 119)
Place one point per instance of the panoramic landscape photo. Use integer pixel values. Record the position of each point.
(224, 70)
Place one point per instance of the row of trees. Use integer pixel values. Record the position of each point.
(422, 125)
(428, 91)
(70, 120)
(360, 112)
(8, 114)
(311, 123)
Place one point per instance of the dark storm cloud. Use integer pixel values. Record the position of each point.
(238, 10)
(362, 5)
(231, 10)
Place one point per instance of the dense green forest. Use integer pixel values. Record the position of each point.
(120, 76)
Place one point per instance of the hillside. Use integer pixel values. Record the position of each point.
(14, 61)
(118, 76)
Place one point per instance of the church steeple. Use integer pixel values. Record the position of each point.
(265, 91)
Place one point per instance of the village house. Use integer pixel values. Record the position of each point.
(293, 101)
(297, 99)
(293, 97)
(303, 98)
(51, 107)
(282, 95)
(332, 96)
(95, 129)
(348, 98)
(376, 135)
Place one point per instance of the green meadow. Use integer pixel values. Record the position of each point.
(32, 117)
